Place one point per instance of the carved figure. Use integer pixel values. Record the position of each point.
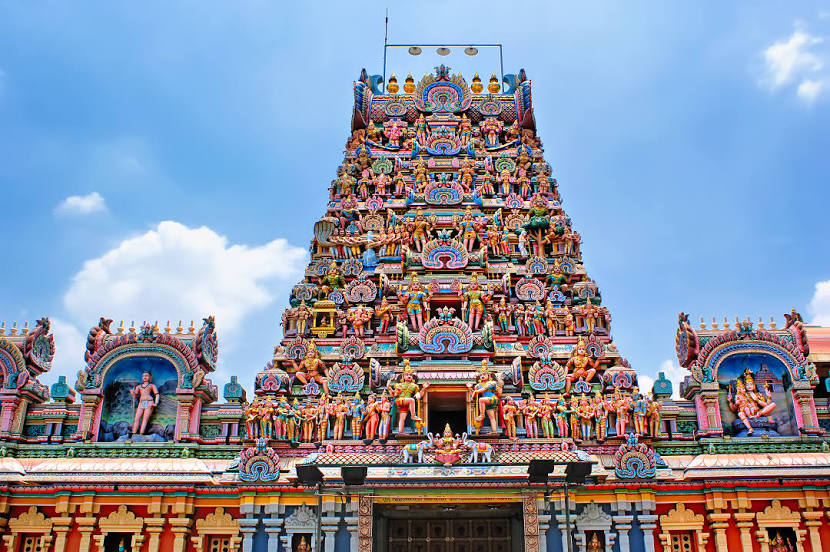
(486, 394)
(311, 368)
(148, 399)
(473, 303)
(407, 394)
(580, 365)
(749, 403)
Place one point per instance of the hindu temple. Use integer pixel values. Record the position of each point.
(445, 381)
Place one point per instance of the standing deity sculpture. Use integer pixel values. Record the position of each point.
(472, 305)
(485, 395)
(408, 395)
(415, 299)
(148, 398)
(509, 411)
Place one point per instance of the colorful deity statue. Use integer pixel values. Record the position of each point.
(465, 130)
(467, 175)
(560, 413)
(487, 187)
(399, 185)
(503, 312)
(415, 299)
(491, 128)
(505, 181)
(422, 130)
(621, 405)
(580, 366)
(356, 409)
(654, 417)
(383, 313)
(371, 417)
(574, 410)
(530, 411)
(251, 420)
(382, 182)
(303, 545)
(360, 316)
(309, 422)
(311, 368)
(341, 411)
(586, 413)
(394, 131)
(509, 411)
(281, 411)
(148, 398)
(265, 415)
(779, 544)
(590, 312)
(749, 403)
(447, 448)
(545, 416)
(538, 221)
(472, 305)
(324, 412)
(419, 174)
(421, 227)
(373, 133)
(408, 395)
(594, 545)
(467, 227)
(486, 394)
(639, 410)
(331, 280)
(385, 410)
(551, 318)
(519, 319)
(569, 325)
(601, 407)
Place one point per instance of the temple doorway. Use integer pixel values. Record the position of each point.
(446, 408)
(450, 528)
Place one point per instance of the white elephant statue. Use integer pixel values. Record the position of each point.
(480, 453)
(414, 452)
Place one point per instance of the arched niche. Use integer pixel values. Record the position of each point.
(122, 373)
(767, 366)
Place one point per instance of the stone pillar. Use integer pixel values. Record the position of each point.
(8, 407)
(531, 522)
(544, 525)
(806, 416)
(248, 528)
(648, 523)
(351, 527)
(719, 522)
(708, 409)
(812, 520)
(273, 526)
(86, 525)
(329, 530)
(623, 525)
(745, 521)
(155, 525)
(364, 522)
(763, 538)
(61, 527)
(181, 529)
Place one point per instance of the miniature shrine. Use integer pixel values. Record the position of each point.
(445, 344)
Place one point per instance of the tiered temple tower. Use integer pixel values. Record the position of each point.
(446, 382)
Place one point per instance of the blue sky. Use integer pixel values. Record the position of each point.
(168, 161)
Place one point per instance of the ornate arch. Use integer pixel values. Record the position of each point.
(721, 347)
(30, 522)
(121, 521)
(12, 363)
(777, 515)
(217, 524)
(594, 518)
(682, 519)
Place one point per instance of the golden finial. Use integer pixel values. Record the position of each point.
(725, 323)
(772, 323)
(493, 87)
(132, 326)
(3, 328)
(409, 84)
(156, 326)
(25, 328)
(392, 86)
(179, 328)
(167, 328)
(476, 87)
(121, 327)
(714, 323)
(14, 328)
(760, 323)
(702, 324)
(192, 328)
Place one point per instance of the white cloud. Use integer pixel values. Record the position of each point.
(178, 272)
(70, 344)
(809, 90)
(646, 383)
(82, 204)
(674, 373)
(799, 59)
(819, 306)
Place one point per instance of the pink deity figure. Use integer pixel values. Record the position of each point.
(385, 410)
(343, 322)
(749, 403)
(524, 184)
(580, 365)
(148, 399)
(569, 324)
(251, 421)
(421, 227)
(519, 319)
(394, 130)
(359, 317)
(504, 241)
(505, 180)
(467, 228)
(590, 313)
(503, 312)
(621, 406)
(491, 128)
(363, 187)
(383, 313)
(494, 240)
(381, 182)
